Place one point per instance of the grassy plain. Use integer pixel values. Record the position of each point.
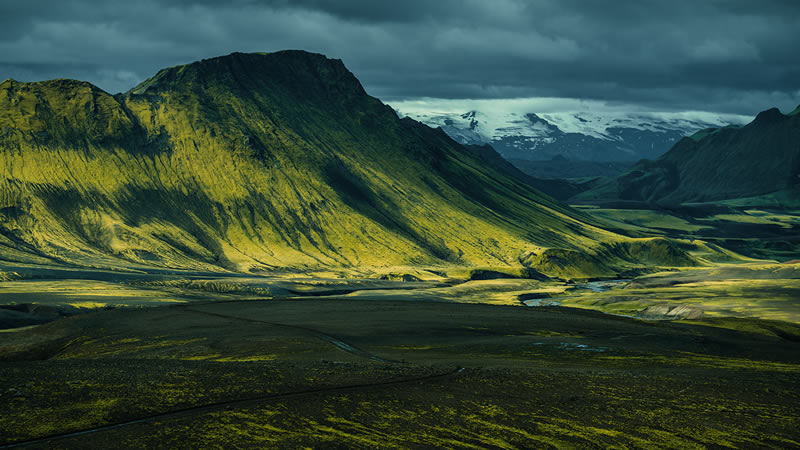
(400, 357)
(367, 372)
(765, 291)
(764, 231)
(764, 228)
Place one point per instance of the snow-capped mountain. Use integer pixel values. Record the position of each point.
(594, 134)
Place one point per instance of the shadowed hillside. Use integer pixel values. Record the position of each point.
(257, 162)
(716, 164)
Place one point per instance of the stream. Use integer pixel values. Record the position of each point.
(594, 286)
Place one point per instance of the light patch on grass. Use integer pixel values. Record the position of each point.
(643, 220)
(271, 357)
(126, 341)
(90, 305)
(213, 356)
(551, 333)
(410, 347)
(757, 217)
(14, 330)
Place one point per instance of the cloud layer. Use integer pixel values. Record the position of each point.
(725, 56)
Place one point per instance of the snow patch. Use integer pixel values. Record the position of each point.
(494, 119)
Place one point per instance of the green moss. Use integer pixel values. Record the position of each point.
(258, 162)
(565, 263)
(10, 276)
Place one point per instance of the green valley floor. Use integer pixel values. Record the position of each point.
(392, 364)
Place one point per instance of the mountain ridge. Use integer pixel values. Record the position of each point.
(577, 135)
(725, 163)
(253, 162)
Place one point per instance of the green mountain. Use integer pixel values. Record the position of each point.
(716, 164)
(557, 188)
(253, 162)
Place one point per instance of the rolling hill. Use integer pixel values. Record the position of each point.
(280, 161)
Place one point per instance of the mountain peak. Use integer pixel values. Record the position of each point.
(254, 162)
(746, 161)
(305, 73)
(769, 116)
(796, 111)
(539, 122)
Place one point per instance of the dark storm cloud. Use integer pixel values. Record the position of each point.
(727, 56)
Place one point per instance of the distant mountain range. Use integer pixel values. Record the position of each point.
(716, 164)
(578, 136)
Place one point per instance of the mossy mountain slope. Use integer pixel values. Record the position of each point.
(716, 164)
(254, 162)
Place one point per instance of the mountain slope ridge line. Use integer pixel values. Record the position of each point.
(259, 162)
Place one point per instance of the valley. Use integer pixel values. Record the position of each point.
(251, 251)
(472, 358)
(426, 373)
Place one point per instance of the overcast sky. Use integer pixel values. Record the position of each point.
(715, 55)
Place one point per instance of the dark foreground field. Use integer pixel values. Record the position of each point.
(370, 373)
